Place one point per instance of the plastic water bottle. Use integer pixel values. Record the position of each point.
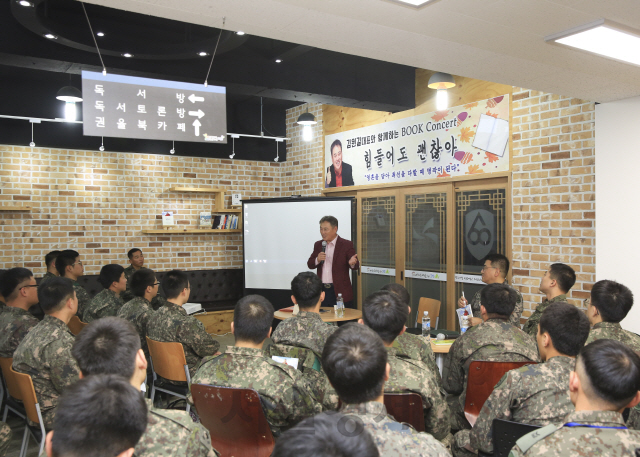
(464, 325)
(339, 306)
(426, 326)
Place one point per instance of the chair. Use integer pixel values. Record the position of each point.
(13, 390)
(505, 435)
(168, 361)
(33, 412)
(481, 380)
(235, 419)
(406, 407)
(431, 305)
(76, 325)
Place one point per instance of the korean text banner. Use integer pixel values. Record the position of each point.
(463, 140)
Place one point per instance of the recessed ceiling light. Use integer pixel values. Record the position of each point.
(202, 54)
(25, 3)
(239, 32)
(414, 3)
(278, 60)
(603, 38)
(100, 33)
(50, 36)
(126, 54)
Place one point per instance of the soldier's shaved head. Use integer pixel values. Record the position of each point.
(252, 318)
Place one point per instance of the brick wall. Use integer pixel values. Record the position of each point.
(98, 202)
(553, 191)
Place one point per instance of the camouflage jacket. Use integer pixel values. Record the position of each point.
(171, 323)
(156, 303)
(416, 348)
(49, 275)
(587, 440)
(45, 355)
(173, 433)
(15, 323)
(613, 331)
(393, 438)
(634, 418)
(5, 438)
(495, 340)
(306, 330)
(531, 326)
(533, 394)
(515, 315)
(106, 303)
(286, 397)
(83, 298)
(408, 375)
(138, 311)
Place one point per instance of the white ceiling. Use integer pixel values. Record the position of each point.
(493, 40)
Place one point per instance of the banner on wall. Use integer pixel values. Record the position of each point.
(463, 140)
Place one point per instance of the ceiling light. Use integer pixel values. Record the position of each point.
(278, 60)
(69, 94)
(50, 36)
(603, 38)
(100, 33)
(25, 3)
(202, 54)
(307, 120)
(413, 3)
(126, 54)
(441, 82)
(240, 32)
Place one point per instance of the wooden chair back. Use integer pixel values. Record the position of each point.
(235, 419)
(505, 435)
(431, 305)
(481, 380)
(12, 383)
(168, 360)
(406, 407)
(29, 399)
(76, 325)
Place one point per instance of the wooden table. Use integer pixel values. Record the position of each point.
(440, 350)
(330, 316)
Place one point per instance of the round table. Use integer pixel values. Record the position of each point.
(330, 316)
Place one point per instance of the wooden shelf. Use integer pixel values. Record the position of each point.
(228, 210)
(195, 189)
(15, 208)
(189, 231)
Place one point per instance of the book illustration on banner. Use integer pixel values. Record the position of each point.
(167, 219)
(205, 220)
(225, 222)
(492, 135)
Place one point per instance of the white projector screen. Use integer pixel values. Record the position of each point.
(279, 235)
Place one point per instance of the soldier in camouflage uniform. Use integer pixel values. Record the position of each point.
(534, 394)
(45, 352)
(413, 346)
(494, 340)
(70, 266)
(355, 361)
(386, 314)
(5, 438)
(285, 395)
(494, 271)
(172, 324)
(169, 432)
(50, 264)
(138, 311)
(605, 381)
(19, 286)
(610, 303)
(136, 260)
(108, 301)
(555, 284)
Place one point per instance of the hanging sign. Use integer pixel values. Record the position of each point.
(153, 109)
(464, 140)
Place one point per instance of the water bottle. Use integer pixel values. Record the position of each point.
(426, 326)
(464, 323)
(339, 306)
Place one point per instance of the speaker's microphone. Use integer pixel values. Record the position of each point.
(324, 248)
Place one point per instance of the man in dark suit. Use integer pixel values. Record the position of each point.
(334, 263)
(339, 174)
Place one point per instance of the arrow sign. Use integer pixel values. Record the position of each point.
(197, 125)
(198, 113)
(193, 98)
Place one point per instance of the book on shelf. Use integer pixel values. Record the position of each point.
(167, 218)
(224, 221)
(205, 220)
